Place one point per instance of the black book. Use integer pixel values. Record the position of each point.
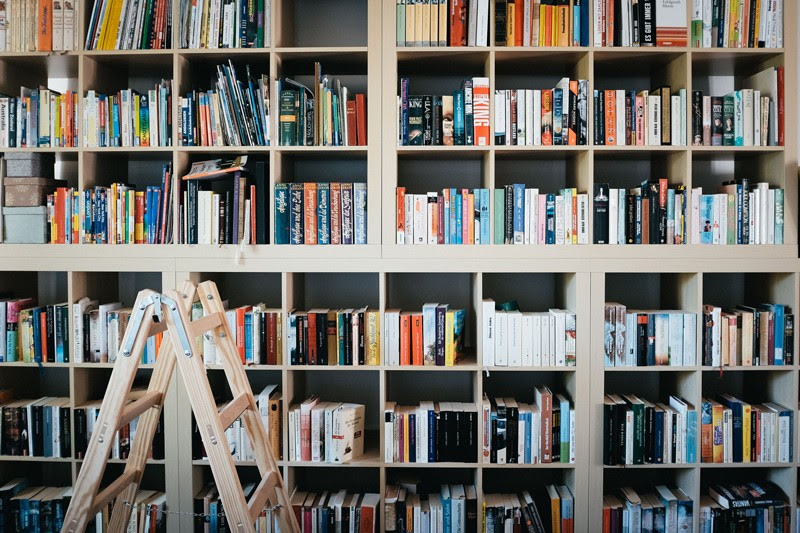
(472, 434)
(751, 29)
(609, 408)
(301, 340)
(321, 340)
(50, 331)
(192, 188)
(263, 339)
(37, 424)
(427, 120)
(262, 207)
(228, 221)
(647, 23)
(469, 126)
(598, 106)
(509, 212)
(415, 121)
(708, 337)
(602, 117)
(361, 343)
(788, 339)
(158, 439)
(556, 434)
(348, 338)
(600, 213)
(630, 219)
(437, 121)
(471, 508)
(630, 102)
(438, 439)
(493, 453)
(642, 320)
(716, 121)
(649, 432)
(512, 429)
(697, 118)
(500, 23)
(80, 433)
(618, 25)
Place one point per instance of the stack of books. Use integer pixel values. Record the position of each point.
(40, 118)
(649, 338)
(637, 431)
(128, 118)
(733, 431)
(325, 432)
(328, 114)
(737, 24)
(225, 24)
(33, 25)
(540, 432)
(442, 22)
(343, 337)
(353, 512)
(662, 510)
(128, 25)
(751, 504)
(640, 118)
(447, 508)
(233, 113)
(33, 334)
(759, 335)
(433, 336)
(514, 338)
(551, 508)
(653, 213)
(430, 432)
(35, 428)
(459, 118)
(548, 117)
(321, 213)
(541, 23)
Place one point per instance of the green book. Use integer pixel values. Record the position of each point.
(499, 210)
(287, 118)
(731, 219)
(637, 406)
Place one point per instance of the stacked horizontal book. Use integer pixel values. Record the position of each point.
(325, 432)
(752, 505)
(661, 510)
(41, 118)
(35, 428)
(539, 432)
(234, 112)
(740, 213)
(640, 23)
(433, 336)
(541, 23)
(431, 432)
(128, 25)
(640, 118)
(98, 330)
(737, 23)
(334, 509)
(225, 24)
(445, 508)
(33, 334)
(321, 213)
(547, 117)
(343, 337)
(734, 431)
(36, 25)
(459, 118)
(649, 337)
(758, 335)
(128, 118)
(24, 505)
(637, 431)
(442, 22)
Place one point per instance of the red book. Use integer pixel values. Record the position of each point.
(405, 339)
(43, 335)
(336, 210)
(368, 516)
(361, 119)
(481, 111)
(312, 339)
(164, 195)
(240, 311)
(458, 13)
(416, 339)
(401, 215)
(139, 218)
(351, 123)
(548, 25)
(519, 17)
(781, 106)
(272, 338)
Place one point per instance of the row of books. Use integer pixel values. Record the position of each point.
(514, 338)
(741, 213)
(325, 115)
(541, 23)
(433, 336)
(759, 335)
(99, 329)
(35, 428)
(459, 118)
(640, 118)
(442, 22)
(32, 508)
(637, 431)
(325, 432)
(740, 118)
(649, 338)
(444, 509)
(336, 511)
(653, 213)
(35, 25)
(257, 332)
(129, 25)
(737, 23)
(751, 506)
(33, 334)
(321, 213)
(269, 402)
(118, 214)
(733, 431)
(430, 432)
(546, 117)
(539, 432)
(660, 510)
(128, 118)
(39, 118)
(235, 112)
(551, 508)
(225, 24)
(639, 23)
(344, 337)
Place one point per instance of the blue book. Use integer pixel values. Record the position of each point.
(115, 122)
(340, 328)
(459, 216)
(707, 219)
(671, 209)
(404, 84)
(33, 134)
(685, 510)
(453, 239)
(779, 316)
(296, 235)
(658, 436)
(446, 507)
(485, 216)
(550, 219)
(576, 24)
(458, 118)
(248, 337)
(691, 436)
(37, 334)
(213, 525)
(281, 213)
(519, 213)
(737, 411)
(323, 213)
(528, 416)
(412, 437)
(558, 123)
(564, 428)
(360, 212)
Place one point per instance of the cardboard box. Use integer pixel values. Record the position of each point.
(27, 192)
(25, 164)
(25, 225)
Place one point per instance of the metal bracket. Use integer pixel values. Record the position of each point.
(135, 322)
(172, 305)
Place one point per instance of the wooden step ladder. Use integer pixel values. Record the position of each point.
(169, 313)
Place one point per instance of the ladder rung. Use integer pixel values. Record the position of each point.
(110, 492)
(134, 409)
(156, 328)
(203, 324)
(235, 408)
(265, 491)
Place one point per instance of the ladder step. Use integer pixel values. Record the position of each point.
(110, 492)
(203, 324)
(235, 408)
(132, 410)
(264, 492)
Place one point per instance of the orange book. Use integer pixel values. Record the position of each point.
(548, 25)
(610, 102)
(159, 338)
(572, 133)
(606, 519)
(481, 111)
(240, 311)
(416, 339)
(609, 23)
(43, 335)
(310, 210)
(405, 339)
(718, 434)
(547, 117)
(519, 18)
(401, 215)
(44, 23)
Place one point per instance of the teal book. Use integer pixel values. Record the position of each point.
(738, 118)
(459, 318)
(564, 428)
(400, 18)
(459, 211)
(248, 337)
(446, 519)
(691, 435)
(281, 213)
(499, 209)
(360, 213)
(485, 216)
(323, 213)
(296, 233)
(728, 130)
(454, 215)
(779, 195)
(459, 132)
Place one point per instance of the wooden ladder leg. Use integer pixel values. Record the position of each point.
(85, 499)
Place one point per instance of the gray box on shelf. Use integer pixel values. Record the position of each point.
(25, 225)
(26, 164)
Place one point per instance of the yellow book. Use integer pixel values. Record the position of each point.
(139, 231)
(204, 25)
(756, 22)
(405, 433)
(733, 25)
(574, 214)
(426, 23)
(449, 339)
(411, 24)
(137, 133)
(543, 25)
(718, 431)
(23, 334)
(510, 23)
(373, 337)
(108, 35)
(279, 334)
(76, 214)
(747, 412)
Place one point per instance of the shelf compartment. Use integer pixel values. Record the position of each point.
(365, 479)
(57, 72)
(549, 170)
(306, 23)
(138, 167)
(109, 73)
(710, 168)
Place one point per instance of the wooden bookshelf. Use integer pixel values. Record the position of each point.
(385, 275)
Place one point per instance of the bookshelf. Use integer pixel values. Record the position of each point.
(384, 275)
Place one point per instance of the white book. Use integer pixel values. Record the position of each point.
(527, 340)
(535, 216)
(747, 117)
(558, 318)
(770, 218)
(675, 122)
(501, 340)
(629, 437)
(763, 213)
(388, 424)
(559, 219)
(613, 216)
(527, 218)
(583, 218)
(83, 305)
(420, 218)
(526, 22)
(391, 337)
(716, 216)
(546, 350)
(482, 37)
(489, 325)
(514, 319)
(530, 132)
(537, 117)
(723, 218)
(536, 339)
(752, 220)
(431, 218)
(599, 25)
(622, 139)
(409, 218)
(293, 451)
(756, 117)
(707, 12)
(654, 120)
(102, 317)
